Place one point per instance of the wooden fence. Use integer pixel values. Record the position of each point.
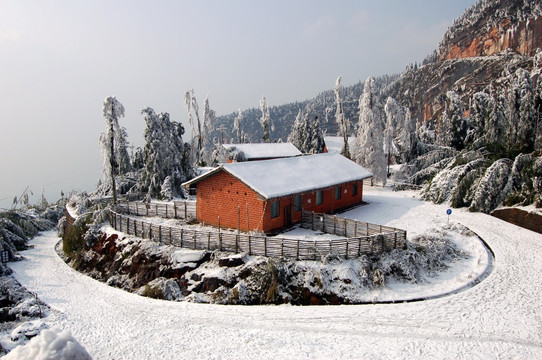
(177, 210)
(349, 228)
(259, 244)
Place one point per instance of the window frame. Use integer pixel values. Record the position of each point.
(338, 192)
(319, 196)
(298, 203)
(275, 209)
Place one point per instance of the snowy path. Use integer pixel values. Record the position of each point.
(499, 318)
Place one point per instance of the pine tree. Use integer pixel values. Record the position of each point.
(453, 127)
(113, 143)
(265, 121)
(343, 123)
(209, 124)
(194, 121)
(521, 112)
(165, 155)
(296, 136)
(318, 143)
(237, 126)
(369, 139)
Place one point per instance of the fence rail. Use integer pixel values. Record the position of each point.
(177, 210)
(349, 247)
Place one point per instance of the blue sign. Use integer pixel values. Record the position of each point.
(449, 212)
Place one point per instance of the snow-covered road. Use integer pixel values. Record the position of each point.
(499, 318)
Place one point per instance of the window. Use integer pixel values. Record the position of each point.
(319, 197)
(274, 209)
(297, 203)
(355, 189)
(337, 192)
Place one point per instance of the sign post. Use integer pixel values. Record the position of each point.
(449, 212)
(4, 255)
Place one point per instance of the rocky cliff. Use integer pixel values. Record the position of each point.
(492, 26)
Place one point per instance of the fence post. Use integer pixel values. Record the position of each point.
(185, 210)
(359, 247)
(265, 246)
(135, 227)
(395, 240)
(120, 224)
(298, 249)
(237, 242)
(170, 240)
(137, 209)
(238, 220)
(314, 244)
(346, 255)
(175, 209)
(160, 234)
(313, 221)
(209, 240)
(249, 246)
(345, 224)
(219, 241)
(367, 234)
(330, 247)
(182, 230)
(166, 210)
(195, 238)
(128, 227)
(282, 247)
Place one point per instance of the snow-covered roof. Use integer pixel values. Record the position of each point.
(280, 177)
(266, 150)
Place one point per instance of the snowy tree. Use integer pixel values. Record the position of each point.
(165, 155)
(209, 124)
(481, 112)
(317, 142)
(265, 121)
(452, 125)
(369, 150)
(297, 134)
(393, 118)
(521, 112)
(407, 137)
(343, 123)
(192, 108)
(237, 126)
(113, 143)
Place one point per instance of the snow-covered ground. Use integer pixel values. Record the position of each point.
(499, 318)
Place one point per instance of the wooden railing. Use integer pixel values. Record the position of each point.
(175, 210)
(190, 238)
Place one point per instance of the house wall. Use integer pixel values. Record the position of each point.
(224, 196)
(329, 204)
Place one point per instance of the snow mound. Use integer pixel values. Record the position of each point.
(49, 345)
(27, 330)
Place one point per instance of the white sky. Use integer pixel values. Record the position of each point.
(60, 59)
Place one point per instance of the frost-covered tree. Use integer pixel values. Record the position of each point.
(521, 112)
(481, 112)
(113, 143)
(343, 123)
(393, 113)
(317, 139)
(298, 133)
(209, 124)
(192, 108)
(453, 127)
(369, 150)
(265, 121)
(237, 126)
(165, 155)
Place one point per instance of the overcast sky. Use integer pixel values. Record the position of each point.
(60, 59)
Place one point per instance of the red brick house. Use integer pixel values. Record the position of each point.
(268, 195)
(261, 151)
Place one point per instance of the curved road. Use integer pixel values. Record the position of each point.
(499, 318)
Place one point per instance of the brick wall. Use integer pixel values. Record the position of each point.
(224, 196)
